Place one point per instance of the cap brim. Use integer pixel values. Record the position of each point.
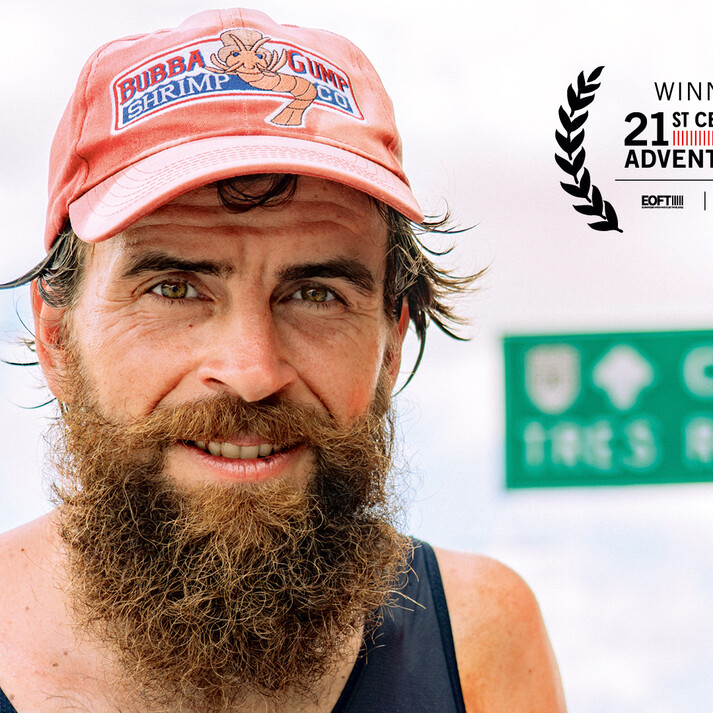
(138, 190)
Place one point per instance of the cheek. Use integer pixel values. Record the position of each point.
(130, 367)
(344, 377)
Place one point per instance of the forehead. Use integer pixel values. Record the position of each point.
(321, 215)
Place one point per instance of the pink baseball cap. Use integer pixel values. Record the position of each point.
(227, 93)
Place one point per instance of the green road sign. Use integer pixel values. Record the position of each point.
(609, 409)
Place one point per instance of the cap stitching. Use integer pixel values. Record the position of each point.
(85, 107)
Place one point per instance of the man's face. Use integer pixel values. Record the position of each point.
(285, 303)
(195, 323)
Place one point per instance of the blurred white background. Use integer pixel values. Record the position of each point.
(623, 575)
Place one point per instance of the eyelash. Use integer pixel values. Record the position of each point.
(332, 297)
(155, 291)
(330, 302)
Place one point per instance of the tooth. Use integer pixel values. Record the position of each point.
(229, 450)
(214, 448)
(265, 449)
(249, 451)
(201, 445)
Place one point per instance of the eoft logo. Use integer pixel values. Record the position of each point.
(662, 201)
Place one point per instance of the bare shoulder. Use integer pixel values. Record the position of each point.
(30, 615)
(24, 549)
(504, 655)
(24, 563)
(27, 592)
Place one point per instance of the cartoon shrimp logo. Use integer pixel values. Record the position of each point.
(244, 54)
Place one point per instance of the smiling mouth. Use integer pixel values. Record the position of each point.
(233, 451)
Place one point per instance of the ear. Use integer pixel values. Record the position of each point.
(393, 358)
(48, 342)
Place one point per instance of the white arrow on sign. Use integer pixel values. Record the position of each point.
(622, 374)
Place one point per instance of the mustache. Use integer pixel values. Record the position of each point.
(221, 418)
(225, 416)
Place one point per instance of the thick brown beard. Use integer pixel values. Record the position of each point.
(208, 596)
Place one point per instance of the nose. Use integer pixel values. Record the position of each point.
(245, 357)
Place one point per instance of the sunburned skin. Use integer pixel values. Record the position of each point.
(193, 300)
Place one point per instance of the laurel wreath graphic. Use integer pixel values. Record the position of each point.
(571, 143)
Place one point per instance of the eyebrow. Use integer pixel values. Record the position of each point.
(157, 261)
(340, 267)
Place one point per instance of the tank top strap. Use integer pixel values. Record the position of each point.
(5, 705)
(408, 663)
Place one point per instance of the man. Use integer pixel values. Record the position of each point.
(231, 271)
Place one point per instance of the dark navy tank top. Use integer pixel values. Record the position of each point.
(408, 663)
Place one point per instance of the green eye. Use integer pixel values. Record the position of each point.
(175, 290)
(315, 293)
